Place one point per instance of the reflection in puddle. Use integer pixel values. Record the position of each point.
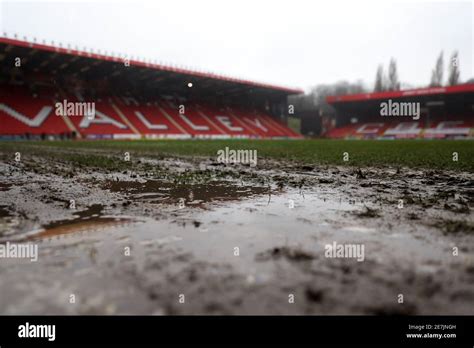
(79, 225)
(90, 219)
(155, 191)
(90, 214)
(4, 187)
(4, 212)
(8, 222)
(87, 220)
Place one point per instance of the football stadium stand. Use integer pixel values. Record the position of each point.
(445, 113)
(50, 92)
(461, 128)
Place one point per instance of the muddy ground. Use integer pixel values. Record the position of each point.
(146, 232)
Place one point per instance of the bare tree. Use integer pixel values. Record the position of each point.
(379, 82)
(320, 92)
(393, 83)
(316, 98)
(437, 74)
(453, 70)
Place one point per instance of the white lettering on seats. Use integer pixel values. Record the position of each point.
(100, 118)
(192, 125)
(225, 120)
(370, 128)
(404, 128)
(256, 123)
(148, 124)
(34, 122)
(449, 127)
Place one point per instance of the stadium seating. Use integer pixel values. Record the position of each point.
(20, 115)
(26, 112)
(458, 126)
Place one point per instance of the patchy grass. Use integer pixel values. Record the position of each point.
(95, 161)
(425, 154)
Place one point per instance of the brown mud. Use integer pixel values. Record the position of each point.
(234, 239)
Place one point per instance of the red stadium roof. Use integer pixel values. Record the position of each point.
(466, 88)
(153, 66)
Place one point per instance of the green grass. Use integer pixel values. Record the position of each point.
(427, 154)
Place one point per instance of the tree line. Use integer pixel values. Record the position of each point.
(391, 81)
(316, 98)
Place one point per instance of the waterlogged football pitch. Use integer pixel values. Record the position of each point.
(169, 227)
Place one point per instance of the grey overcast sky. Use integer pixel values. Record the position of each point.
(287, 42)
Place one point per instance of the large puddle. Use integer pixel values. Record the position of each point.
(155, 191)
(151, 191)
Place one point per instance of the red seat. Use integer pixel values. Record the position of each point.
(116, 117)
